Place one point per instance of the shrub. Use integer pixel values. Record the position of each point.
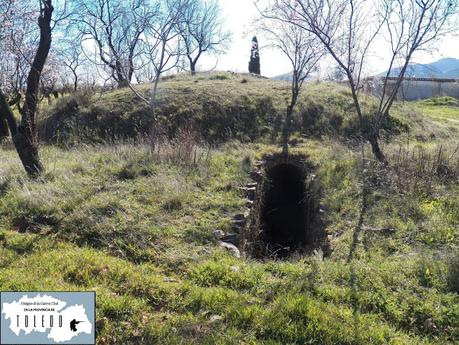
(417, 168)
(219, 77)
(441, 101)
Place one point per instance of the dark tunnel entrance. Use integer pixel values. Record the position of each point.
(287, 212)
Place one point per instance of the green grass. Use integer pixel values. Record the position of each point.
(443, 114)
(441, 101)
(431, 118)
(137, 230)
(136, 226)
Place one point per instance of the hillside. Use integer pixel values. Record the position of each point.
(219, 106)
(138, 217)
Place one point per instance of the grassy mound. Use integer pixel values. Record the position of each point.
(219, 106)
(135, 223)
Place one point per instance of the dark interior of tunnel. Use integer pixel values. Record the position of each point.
(285, 213)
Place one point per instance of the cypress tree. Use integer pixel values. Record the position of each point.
(254, 63)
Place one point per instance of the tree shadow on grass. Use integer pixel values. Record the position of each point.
(355, 241)
(358, 228)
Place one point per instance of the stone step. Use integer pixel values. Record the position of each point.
(231, 238)
(239, 223)
(249, 191)
(256, 175)
(249, 203)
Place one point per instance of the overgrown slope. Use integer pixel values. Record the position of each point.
(219, 106)
(135, 225)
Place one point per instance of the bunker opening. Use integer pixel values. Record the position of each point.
(288, 209)
(284, 213)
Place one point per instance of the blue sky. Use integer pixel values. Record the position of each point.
(239, 14)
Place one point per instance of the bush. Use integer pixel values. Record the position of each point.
(441, 101)
(420, 169)
(219, 77)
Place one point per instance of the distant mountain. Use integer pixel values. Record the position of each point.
(289, 77)
(285, 77)
(443, 68)
(447, 68)
(454, 73)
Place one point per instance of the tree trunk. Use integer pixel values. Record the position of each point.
(28, 153)
(24, 136)
(122, 83)
(27, 149)
(75, 81)
(7, 115)
(194, 61)
(28, 121)
(377, 150)
(286, 131)
(122, 79)
(193, 68)
(4, 132)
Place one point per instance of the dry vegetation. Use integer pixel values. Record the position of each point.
(131, 216)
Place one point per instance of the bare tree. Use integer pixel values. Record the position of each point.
(162, 42)
(16, 53)
(4, 10)
(303, 50)
(71, 55)
(410, 26)
(202, 30)
(50, 77)
(347, 30)
(24, 134)
(116, 27)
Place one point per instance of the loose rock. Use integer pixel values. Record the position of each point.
(231, 247)
(215, 318)
(218, 234)
(231, 238)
